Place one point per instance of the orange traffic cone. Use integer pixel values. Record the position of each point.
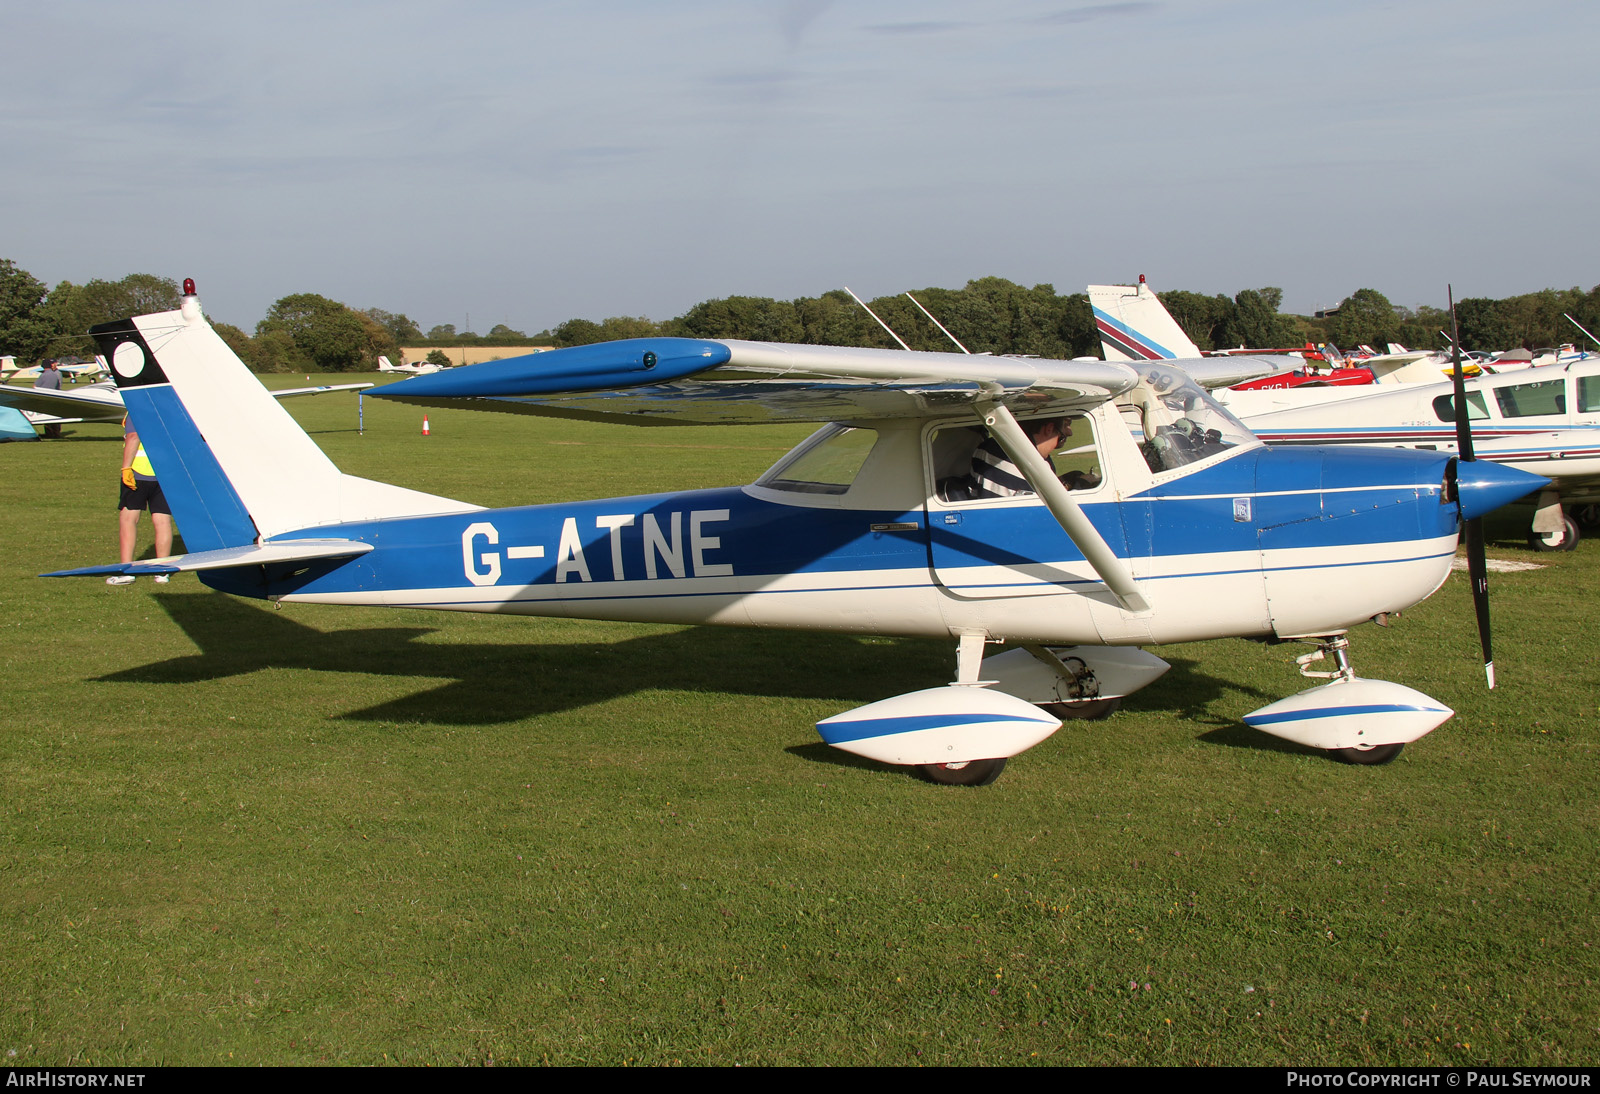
(424, 425)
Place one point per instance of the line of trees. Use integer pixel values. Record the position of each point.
(305, 332)
(999, 316)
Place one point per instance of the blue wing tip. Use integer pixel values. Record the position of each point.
(593, 367)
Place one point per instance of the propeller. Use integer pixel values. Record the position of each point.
(1477, 569)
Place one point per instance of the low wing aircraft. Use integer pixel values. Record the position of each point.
(1544, 420)
(74, 371)
(1192, 528)
(102, 403)
(411, 368)
(1135, 326)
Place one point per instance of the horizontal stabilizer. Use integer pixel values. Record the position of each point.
(320, 389)
(294, 550)
(1215, 372)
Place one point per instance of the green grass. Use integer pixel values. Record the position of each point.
(324, 834)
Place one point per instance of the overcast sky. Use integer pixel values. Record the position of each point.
(528, 162)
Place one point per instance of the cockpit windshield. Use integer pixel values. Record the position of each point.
(1180, 423)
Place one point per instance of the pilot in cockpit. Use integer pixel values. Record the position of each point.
(995, 476)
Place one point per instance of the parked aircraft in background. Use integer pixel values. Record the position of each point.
(1192, 528)
(1543, 420)
(1135, 326)
(73, 371)
(413, 368)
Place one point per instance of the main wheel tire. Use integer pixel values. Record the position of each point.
(1587, 516)
(1566, 541)
(971, 773)
(1092, 710)
(1367, 757)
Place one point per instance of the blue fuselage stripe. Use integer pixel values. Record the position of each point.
(1339, 712)
(860, 729)
(579, 551)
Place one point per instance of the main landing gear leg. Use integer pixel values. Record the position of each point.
(1339, 647)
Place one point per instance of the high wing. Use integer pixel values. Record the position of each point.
(103, 402)
(686, 381)
(661, 381)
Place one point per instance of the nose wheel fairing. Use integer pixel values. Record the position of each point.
(1350, 716)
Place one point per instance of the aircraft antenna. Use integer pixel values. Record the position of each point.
(1564, 315)
(874, 315)
(956, 340)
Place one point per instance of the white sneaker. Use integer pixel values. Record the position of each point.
(120, 579)
(162, 579)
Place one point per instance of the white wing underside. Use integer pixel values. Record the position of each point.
(775, 382)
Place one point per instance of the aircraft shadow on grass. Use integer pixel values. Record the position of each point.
(496, 683)
(491, 683)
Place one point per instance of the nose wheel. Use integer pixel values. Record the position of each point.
(1338, 648)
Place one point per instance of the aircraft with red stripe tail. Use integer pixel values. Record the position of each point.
(1543, 420)
(1162, 519)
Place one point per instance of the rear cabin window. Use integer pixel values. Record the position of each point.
(1445, 407)
(1526, 400)
(827, 463)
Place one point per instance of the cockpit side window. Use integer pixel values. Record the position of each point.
(968, 466)
(825, 463)
(1445, 407)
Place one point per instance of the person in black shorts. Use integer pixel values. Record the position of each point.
(140, 491)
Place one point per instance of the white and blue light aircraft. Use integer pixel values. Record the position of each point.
(1182, 525)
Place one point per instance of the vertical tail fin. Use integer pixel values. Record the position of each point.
(1134, 326)
(235, 467)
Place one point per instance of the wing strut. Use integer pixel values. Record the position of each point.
(1112, 570)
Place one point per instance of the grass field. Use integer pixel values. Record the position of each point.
(239, 835)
